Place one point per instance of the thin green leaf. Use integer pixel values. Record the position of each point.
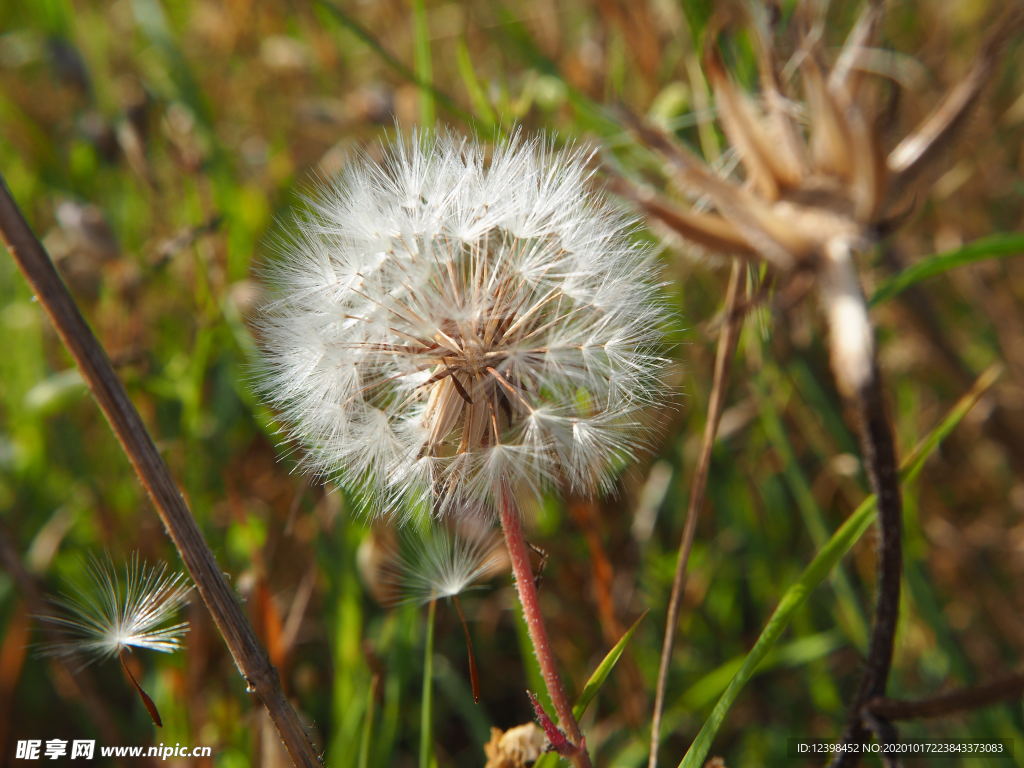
(367, 739)
(814, 520)
(793, 654)
(481, 105)
(594, 685)
(357, 29)
(826, 559)
(997, 246)
(603, 670)
(424, 67)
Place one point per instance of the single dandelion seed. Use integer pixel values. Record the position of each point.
(438, 562)
(109, 615)
(442, 328)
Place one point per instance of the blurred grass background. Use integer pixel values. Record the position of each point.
(155, 145)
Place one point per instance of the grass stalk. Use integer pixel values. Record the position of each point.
(727, 339)
(424, 68)
(427, 705)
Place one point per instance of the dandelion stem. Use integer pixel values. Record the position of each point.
(512, 525)
(249, 655)
(150, 706)
(474, 677)
(427, 707)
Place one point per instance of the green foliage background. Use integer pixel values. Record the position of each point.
(191, 125)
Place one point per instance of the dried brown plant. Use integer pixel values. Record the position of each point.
(810, 202)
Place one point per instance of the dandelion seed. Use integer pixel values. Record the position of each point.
(108, 616)
(438, 562)
(443, 328)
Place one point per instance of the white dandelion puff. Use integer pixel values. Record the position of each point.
(438, 562)
(111, 614)
(442, 328)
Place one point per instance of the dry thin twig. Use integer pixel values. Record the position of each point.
(961, 700)
(723, 364)
(250, 657)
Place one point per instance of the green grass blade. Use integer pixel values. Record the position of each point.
(481, 105)
(823, 563)
(424, 68)
(793, 654)
(427, 708)
(603, 670)
(997, 246)
(594, 685)
(337, 14)
(812, 515)
(367, 739)
(914, 462)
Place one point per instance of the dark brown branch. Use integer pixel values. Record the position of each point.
(250, 657)
(723, 365)
(961, 700)
(879, 450)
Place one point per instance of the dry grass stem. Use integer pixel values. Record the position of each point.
(728, 337)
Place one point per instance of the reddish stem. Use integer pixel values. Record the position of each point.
(474, 676)
(150, 706)
(512, 525)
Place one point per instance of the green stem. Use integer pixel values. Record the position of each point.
(427, 708)
(364, 742)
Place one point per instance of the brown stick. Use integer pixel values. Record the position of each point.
(723, 364)
(518, 554)
(250, 657)
(961, 700)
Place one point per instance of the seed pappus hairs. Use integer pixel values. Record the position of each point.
(442, 327)
(437, 561)
(108, 615)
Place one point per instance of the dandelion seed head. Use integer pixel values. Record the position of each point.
(108, 613)
(442, 326)
(438, 561)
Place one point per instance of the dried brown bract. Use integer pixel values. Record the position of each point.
(810, 200)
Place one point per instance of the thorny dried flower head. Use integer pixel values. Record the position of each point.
(108, 614)
(445, 328)
(809, 201)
